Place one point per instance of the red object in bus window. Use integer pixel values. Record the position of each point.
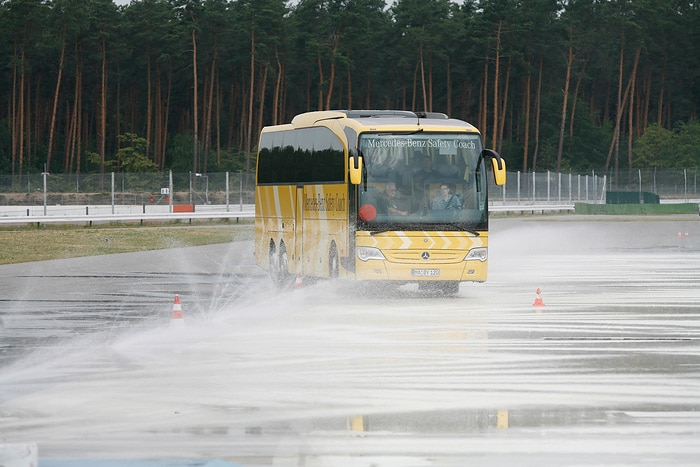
(368, 212)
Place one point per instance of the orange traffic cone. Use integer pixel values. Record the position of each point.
(538, 299)
(176, 317)
(298, 284)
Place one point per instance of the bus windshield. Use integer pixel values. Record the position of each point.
(422, 181)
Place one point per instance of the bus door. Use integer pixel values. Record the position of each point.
(299, 231)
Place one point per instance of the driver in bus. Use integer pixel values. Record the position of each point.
(388, 203)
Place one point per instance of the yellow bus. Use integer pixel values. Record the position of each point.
(374, 195)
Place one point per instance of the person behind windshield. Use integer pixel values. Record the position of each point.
(387, 202)
(446, 199)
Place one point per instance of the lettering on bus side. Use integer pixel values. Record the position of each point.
(331, 202)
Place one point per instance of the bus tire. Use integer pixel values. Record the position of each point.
(279, 271)
(333, 262)
(441, 287)
(450, 287)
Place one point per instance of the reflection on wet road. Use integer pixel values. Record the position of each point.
(607, 372)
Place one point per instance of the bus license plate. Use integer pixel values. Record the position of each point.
(425, 272)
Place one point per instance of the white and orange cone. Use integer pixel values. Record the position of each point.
(298, 283)
(538, 299)
(176, 317)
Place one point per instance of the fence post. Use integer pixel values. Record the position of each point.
(44, 173)
(533, 186)
(227, 191)
(170, 187)
(518, 199)
(549, 185)
(112, 177)
(602, 190)
(240, 190)
(559, 190)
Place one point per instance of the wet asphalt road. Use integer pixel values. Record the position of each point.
(607, 372)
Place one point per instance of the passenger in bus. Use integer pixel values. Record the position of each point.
(425, 172)
(421, 197)
(446, 199)
(447, 169)
(388, 202)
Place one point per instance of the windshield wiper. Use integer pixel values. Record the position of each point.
(457, 226)
(375, 232)
(448, 226)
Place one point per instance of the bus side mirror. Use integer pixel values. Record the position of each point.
(355, 167)
(498, 165)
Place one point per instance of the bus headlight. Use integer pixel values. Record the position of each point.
(365, 253)
(481, 254)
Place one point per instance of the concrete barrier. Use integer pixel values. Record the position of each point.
(636, 209)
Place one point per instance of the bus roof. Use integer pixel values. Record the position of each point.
(369, 119)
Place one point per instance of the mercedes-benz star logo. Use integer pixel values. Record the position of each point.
(425, 255)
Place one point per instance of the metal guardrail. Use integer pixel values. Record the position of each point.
(533, 208)
(104, 214)
(109, 214)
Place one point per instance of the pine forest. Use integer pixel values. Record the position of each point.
(90, 86)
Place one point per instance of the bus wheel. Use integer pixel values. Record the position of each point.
(278, 266)
(439, 287)
(450, 287)
(333, 264)
(284, 278)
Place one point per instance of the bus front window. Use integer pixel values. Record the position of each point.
(422, 181)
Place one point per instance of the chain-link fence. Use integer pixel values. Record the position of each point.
(128, 189)
(562, 188)
(549, 187)
(226, 188)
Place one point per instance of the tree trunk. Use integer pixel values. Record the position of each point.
(449, 89)
(430, 84)
(630, 117)
(414, 96)
(102, 134)
(249, 137)
(496, 85)
(20, 115)
(331, 83)
(218, 122)
(647, 98)
(52, 127)
(278, 84)
(195, 130)
(349, 89)
(659, 110)
(149, 102)
(575, 98)
(210, 108)
(158, 156)
(483, 99)
(562, 125)
(14, 127)
(320, 82)
(620, 106)
(504, 106)
(618, 119)
(261, 109)
(166, 117)
(526, 140)
(422, 79)
(538, 107)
